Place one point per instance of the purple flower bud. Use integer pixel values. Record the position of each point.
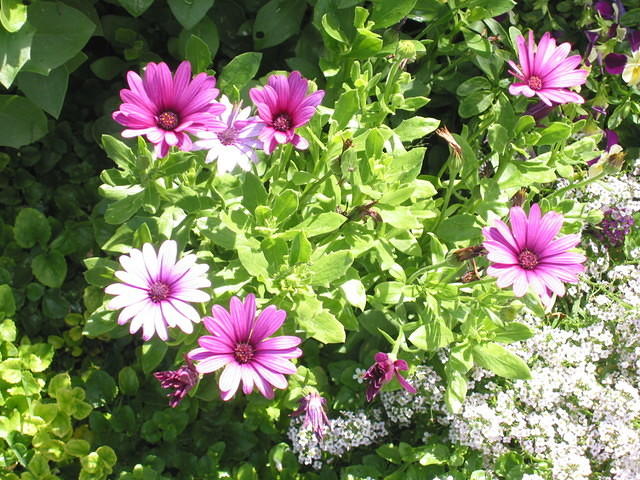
(614, 227)
(539, 110)
(313, 408)
(382, 372)
(181, 381)
(614, 63)
(634, 39)
(605, 9)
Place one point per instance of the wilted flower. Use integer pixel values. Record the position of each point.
(181, 381)
(234, 143)
(468, 253)
(283, 106)
(614, 227)
(545, 71)
(155, 290)
(166, 109)
(382, 372)
(239, 342)
(313, 407)
(527, 254)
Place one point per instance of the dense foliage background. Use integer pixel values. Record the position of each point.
(354, 237)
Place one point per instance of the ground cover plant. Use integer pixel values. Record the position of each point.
(332, 239)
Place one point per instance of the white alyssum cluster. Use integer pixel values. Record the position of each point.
(348, 431)
(621, 191)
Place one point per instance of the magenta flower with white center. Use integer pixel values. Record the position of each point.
(235, 142)
(545, 71)
(239, 343)
(528, 254)
(382, 372)
(156, 291)
(167, 109)
(283, 106)
(181, 381)
(313, 407)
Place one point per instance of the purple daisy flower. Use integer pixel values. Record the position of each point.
(382, 372)
(181, 381)
(527, 254)
(166, 109)
(283, 106)
(239, 342)
(546, 72)
(156, 290)
(313, 407)
(236, 142)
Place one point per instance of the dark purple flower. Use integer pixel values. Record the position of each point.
(614, 63)
(605, 9)
(312, 406)
(539, 110)
(614, 227)
(181, 381)
(382, 372)
(634, 39)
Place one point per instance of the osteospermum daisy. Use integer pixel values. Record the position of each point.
(235, 141)
(545, 71)
(167, 109)
(382, 372)
(156, 291)
(239, 343)
(528, 254)
(283, 106)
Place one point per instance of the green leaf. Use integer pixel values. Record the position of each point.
(122, 210)
(300, 249)
(50, 269)
(253, 261)
(355, 293)
(458, 228)
(318, 322)
(15, 51)
(475, 104)
(253, 192)
(7, 306)
(100, 322)
(432, 336)
(513, 332)
(121, 154)
(472, 85)
(330, 267)
(555, 133)
(388, 12)
(13, 14)
(405, 167)
(198, 54)
(47, 92)
(135, 7)
(493, 7)
(77, 447)
(100, 387)
(61, 32)
(31, 227)
(22, 122)
(346, 107)
(11, 370)
(189, 12)
(631, 18)
(7, 328)
(36, 357)
(285, 205)
(128, 381)
(276, 21)
(107, 68)
(239, 71)
(416, 127)
(153, 352)
(500, 361)
(315, 225)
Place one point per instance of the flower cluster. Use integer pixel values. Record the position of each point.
(168, 110)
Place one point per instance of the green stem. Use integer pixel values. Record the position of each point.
(413, 277)
(453, 173)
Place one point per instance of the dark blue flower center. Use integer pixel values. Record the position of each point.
(243, 352)
(168, 120)
(535, 83)
(158, 292)
(282, 122)
(527, 259)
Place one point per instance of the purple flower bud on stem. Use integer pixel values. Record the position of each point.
(181, 381)
(313, 407)
(382, 372)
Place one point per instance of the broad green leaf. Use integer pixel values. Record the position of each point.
(153, 352)
(11, 370)
(135, 7)
(31, 227)
(405, 167)
(47, 92)
(631, 18)
(475, 103)
(276, 21)
(198, 53)
(346, 107)
(36, 357)
(493, 7)
(13, 14)
(100, 387)
(389, 293)
(331, 27)
(189, 12)
(456, 390)
(120, 153)
(458, 228)
(315, 225)
(15, 51)
(355, 293)
(513, 332)
(77, 447)
(7, 327)
(253, 261)
(128, 381)
(239, 71)
(472, 85)
(285, 205)
(416, 127)
(500, 361)
(61, 32)
(122, 210)
(555, 133)
(400, 217)
(22, 122)
(317, 322)
(330, 267)
(300, 249)
(100, 271)
(253, 192)
(50, 269)
(107, 68)
(100, 322)
(388, 12)
(206, 30)
(432, 336)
